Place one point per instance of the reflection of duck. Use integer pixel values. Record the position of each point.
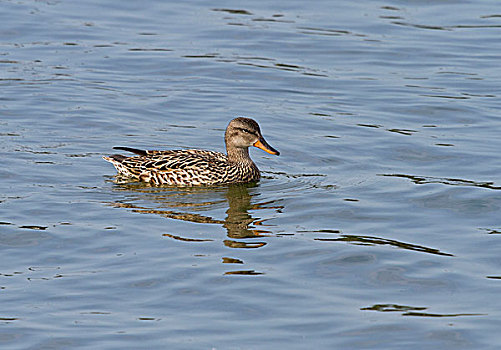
(187, 204)
(198, 167)
(238, 221)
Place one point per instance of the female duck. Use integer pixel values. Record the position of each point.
(195, 167)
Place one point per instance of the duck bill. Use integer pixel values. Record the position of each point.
(262, 144)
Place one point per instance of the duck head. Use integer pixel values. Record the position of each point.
(245, 132)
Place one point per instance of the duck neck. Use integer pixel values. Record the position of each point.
(239, 155)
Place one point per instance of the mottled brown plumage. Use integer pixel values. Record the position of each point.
(194, 167)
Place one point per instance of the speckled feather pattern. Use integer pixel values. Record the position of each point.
(194, 167)
(191, 167)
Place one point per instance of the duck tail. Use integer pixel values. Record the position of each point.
(114, 158)
(133, 150)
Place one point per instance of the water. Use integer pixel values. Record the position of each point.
(378, 226)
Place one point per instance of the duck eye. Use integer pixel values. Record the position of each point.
(246, 131)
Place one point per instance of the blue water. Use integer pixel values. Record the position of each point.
(378, 226)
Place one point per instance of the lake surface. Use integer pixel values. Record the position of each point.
(378, 226)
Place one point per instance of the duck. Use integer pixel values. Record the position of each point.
(197, 167)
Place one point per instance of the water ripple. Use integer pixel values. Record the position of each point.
(413, 311)
(378, 241)
(421, 180)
